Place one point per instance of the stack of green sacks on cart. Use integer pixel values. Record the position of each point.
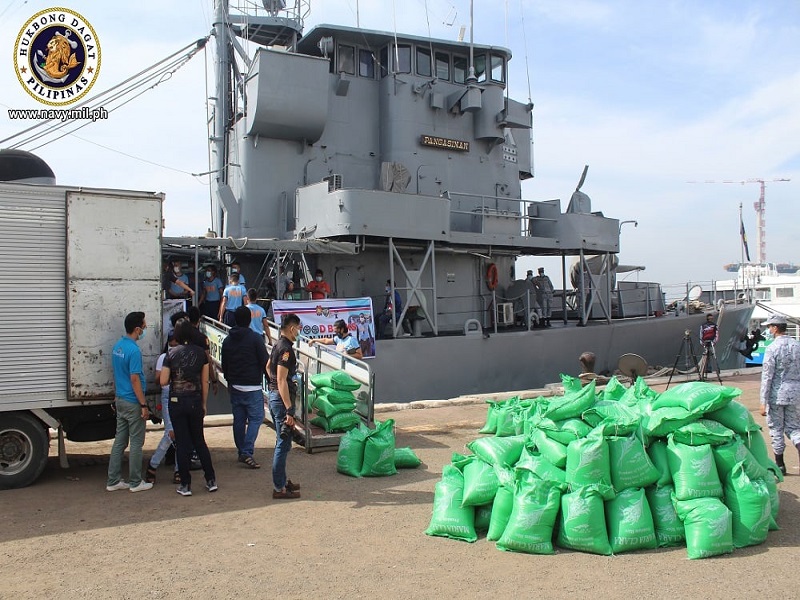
(333, 401)
(613, 470)
(365, 452)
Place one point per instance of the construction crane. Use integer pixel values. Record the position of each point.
(760, 206)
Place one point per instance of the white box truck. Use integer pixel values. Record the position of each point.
(73, 262)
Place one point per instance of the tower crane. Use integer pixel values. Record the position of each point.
(760, 206)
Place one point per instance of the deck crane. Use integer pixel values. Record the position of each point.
(760, 206)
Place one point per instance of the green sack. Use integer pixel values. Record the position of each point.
(638, 393)
(749, 503)
(405, 458)
(350, 456)
(480, 483)
(565, 431)
(530, 526)
(506, 425)
(774, 501)
(572, 404)
(630, 522)
(663, 421)
(735, 416)
(571, 384)
(498, 451)
(619, 418)
(756, 444)
(344, 421)
(582, 524)
(501, 512)
(657, 451)
(540, 467)
(449, 518)
(669, 528)
(327, 410)
(550, 449)
(697, 397)
(630, 465)
(614, 390)
(379, 451)
(708, 525)
(483, 517)
(588, 461)
(321, 422)
(336, 396)
(491, 418)
(704, 431)
(338, 380)
(726, 456)
(693, 471)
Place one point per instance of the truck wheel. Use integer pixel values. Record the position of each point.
(24, 447)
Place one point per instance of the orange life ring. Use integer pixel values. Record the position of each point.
(491, 276)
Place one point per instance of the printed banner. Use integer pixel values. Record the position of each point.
(318, 316)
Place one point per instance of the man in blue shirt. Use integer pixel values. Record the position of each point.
(391, 310)
(211, 293)
(232, 298)
(258, 316)
(131, 407)
(176, 290)
(345, 343)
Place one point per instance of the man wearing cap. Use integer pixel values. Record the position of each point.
(544, 295)
(780, 388)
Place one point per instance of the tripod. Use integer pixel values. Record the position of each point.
(690, 359)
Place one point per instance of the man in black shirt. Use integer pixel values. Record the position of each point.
(281, 369)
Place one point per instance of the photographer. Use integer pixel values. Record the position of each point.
(281, 369)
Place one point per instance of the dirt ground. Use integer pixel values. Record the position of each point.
(66, 537)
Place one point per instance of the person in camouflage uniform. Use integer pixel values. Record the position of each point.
(780, 388)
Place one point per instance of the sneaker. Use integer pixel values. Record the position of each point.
(211, 485)
(286, 494)
(120, 485)
(142, 487)
(184, 490)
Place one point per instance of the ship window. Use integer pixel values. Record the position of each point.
(784, 292)
(384, 61)
(480, 67)
(498, 70)
(424, 62)
(366, 64)
(346, 60)
(443, 66)
(402, 56)
(460, 69)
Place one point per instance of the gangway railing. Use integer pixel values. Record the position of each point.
(312, 360)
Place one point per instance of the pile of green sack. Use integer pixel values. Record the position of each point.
(613, 471)
(365, 452)
(333, 401)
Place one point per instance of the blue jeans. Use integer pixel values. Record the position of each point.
(282, 446)
(248, 415)
(166, 440)
(130, 427)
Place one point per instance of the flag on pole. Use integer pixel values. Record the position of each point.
(744, 238)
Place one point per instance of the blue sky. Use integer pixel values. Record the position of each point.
(650, 94)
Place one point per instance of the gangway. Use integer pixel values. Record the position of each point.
(311, 361)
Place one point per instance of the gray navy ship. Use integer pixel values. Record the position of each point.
(379, 156)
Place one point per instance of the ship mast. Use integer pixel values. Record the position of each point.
(222, 109)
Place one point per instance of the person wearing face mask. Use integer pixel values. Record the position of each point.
(344, 342)
(130, 405)
(174, 284)
(319, 288)
(237, 268)
(281, 370)
(179, 283)
(211, 293)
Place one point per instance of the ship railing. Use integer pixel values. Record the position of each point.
(312, 360)
(498, 214)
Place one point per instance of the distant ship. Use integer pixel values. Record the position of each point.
(780, 268)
